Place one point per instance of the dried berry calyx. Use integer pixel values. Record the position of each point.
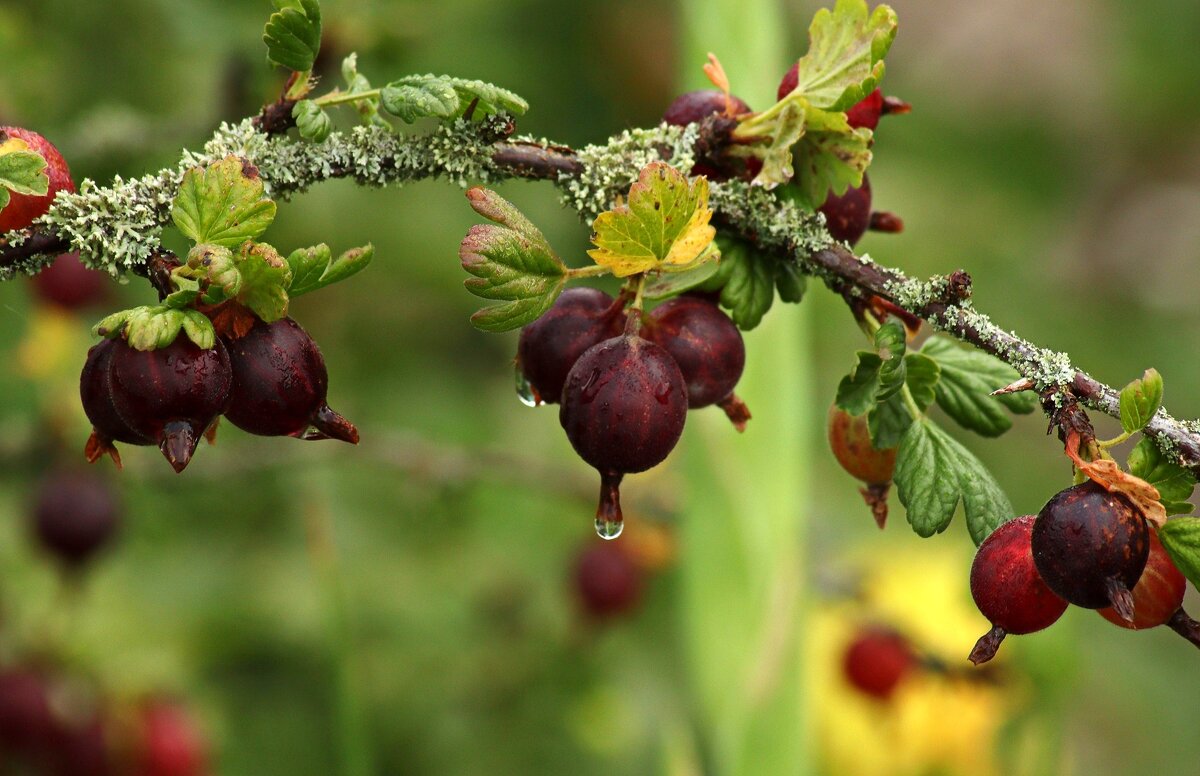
(1158, 594)
(850, 440)
(548, 348)
(877, 660)
(623, 408)
(170, 395)
(75, 515)
(280, 383)
(708, 348)
(1007, 588)
(1090, 546)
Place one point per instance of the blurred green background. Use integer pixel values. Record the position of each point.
(1053, 151)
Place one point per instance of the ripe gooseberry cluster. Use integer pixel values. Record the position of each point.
(271, 381)
(1088, 546)
(625, 381)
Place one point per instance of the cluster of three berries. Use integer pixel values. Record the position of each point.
(271, 381)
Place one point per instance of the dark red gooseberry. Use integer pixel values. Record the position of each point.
(1090, 546)
(279, 385)
(1157, 595)
(75, 515)
(548, 348)
(848, 216)
(850, 439)
(1007, 588)
(623, 408)
(95, 392)
(22, 209)
(876, 661)
(708, 348)
(27, 724)
(68, 284)
(171, 743)
(82, 750)
(690, 107)
(608, 581)
(171, 395)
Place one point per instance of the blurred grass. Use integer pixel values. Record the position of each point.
(458, 518)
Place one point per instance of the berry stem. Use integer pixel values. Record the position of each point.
(338, 97)
(1185, 626)
(593, 271)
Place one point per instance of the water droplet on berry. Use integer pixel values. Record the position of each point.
(525, 390)
(609, 529)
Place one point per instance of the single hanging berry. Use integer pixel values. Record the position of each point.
(848, 216)
(95, 392)
(279, 385)
(548, 348)
(1158, 594)
(68, 284)
(27, 724)
(876, 661)
(623, 408)
(1007, 588)
(608, 580)
(708, 348)
(22, 209)
(850, 440)
(170, 743)
(1090, 546)
(75, 516)
(170, 395)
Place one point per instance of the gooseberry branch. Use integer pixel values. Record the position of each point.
(117, 228)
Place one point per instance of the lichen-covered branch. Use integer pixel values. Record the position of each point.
(117, 228)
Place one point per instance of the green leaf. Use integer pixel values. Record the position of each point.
(312, 121)
(790, 281)
(858, 392)
(664, 222)
(831, 157)
(491, 98)
(187, 291)
(419, 97)
(315, 268)
(152, 328)
(670, 284)
(845, 54)
(23, 172)
(510, 261)
(745, 277)
(785, 130)
(1140, 400)
(1174, 483)
(934, 472)
(293, 34)
(222, 204)
(922, 378)
(368, 108)
(1181, 539)
(967, 379)
(890, 344)
(888, 421)
(265, 280)
(217, 269)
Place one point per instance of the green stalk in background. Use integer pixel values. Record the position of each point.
(743, 532)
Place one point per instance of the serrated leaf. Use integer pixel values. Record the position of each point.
(934, 472)
(152, 328)
(198, 329)
(785, 129)
(790, 281)
(1181, 539)
(488, 98)
(1173, 482)
(312, 121)
(858, 392)
(745, 278)
(419, 97)
(293, 34)
(672, 284)
(510, 261)
(890, 344)
(922, 378)
(187, 291)
(845, 54)
(222, 204)
(315, 268)
(831, 157)
(887, 422)
(967, 379)
(265, 280)
(216, 267)
(664, 221)
(23, 172)
(1140, 400)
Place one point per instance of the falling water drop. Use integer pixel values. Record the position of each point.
(525, 391)
(609, 529)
